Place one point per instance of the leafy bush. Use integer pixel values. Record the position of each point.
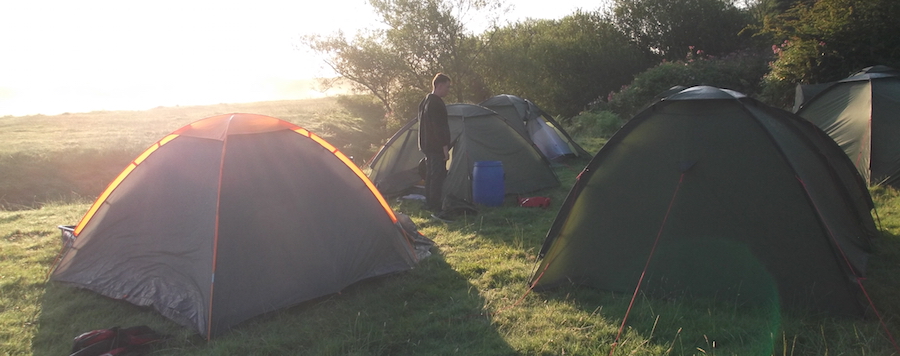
(562, 64)
(740, 71)
(595, 123)
(359, 128)
(369, 110)
(778, 93)
(827, 40)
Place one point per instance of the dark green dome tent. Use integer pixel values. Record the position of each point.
(717, 195)
(862, 114)
(803, 93)
(230, 217)
(477, 134)
(537, 125)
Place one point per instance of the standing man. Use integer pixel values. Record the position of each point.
(434, 141)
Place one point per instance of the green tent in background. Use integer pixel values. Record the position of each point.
(477, 134)
(718, 196)
(862, 114)
(803, 93)
(537, 125)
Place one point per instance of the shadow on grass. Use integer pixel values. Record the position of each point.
(676, 325)
(683, 324)
(509, 224)
(882, 281)
(524, 227)
(428, 310)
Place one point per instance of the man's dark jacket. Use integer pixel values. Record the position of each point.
(434, 132)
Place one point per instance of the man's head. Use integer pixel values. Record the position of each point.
(440, 85)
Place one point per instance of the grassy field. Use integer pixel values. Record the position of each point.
(469, 298)
(74, 156)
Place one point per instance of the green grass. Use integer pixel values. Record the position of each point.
(469, 298)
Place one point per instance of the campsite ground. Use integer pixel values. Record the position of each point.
(469, 298)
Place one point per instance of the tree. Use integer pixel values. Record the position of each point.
(818, 41)
(396, 64)
(827, 40)
(365, 62)
(561, 64)
(668, 27)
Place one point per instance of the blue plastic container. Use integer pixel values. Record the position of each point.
(487, 183)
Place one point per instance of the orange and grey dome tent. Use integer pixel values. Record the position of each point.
(230, 217)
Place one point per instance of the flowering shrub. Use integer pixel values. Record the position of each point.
(827, 40)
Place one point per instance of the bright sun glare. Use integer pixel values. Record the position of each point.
(74, 56)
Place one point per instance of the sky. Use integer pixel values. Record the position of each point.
(61, 56)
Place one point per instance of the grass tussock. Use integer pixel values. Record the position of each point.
(470, 298)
